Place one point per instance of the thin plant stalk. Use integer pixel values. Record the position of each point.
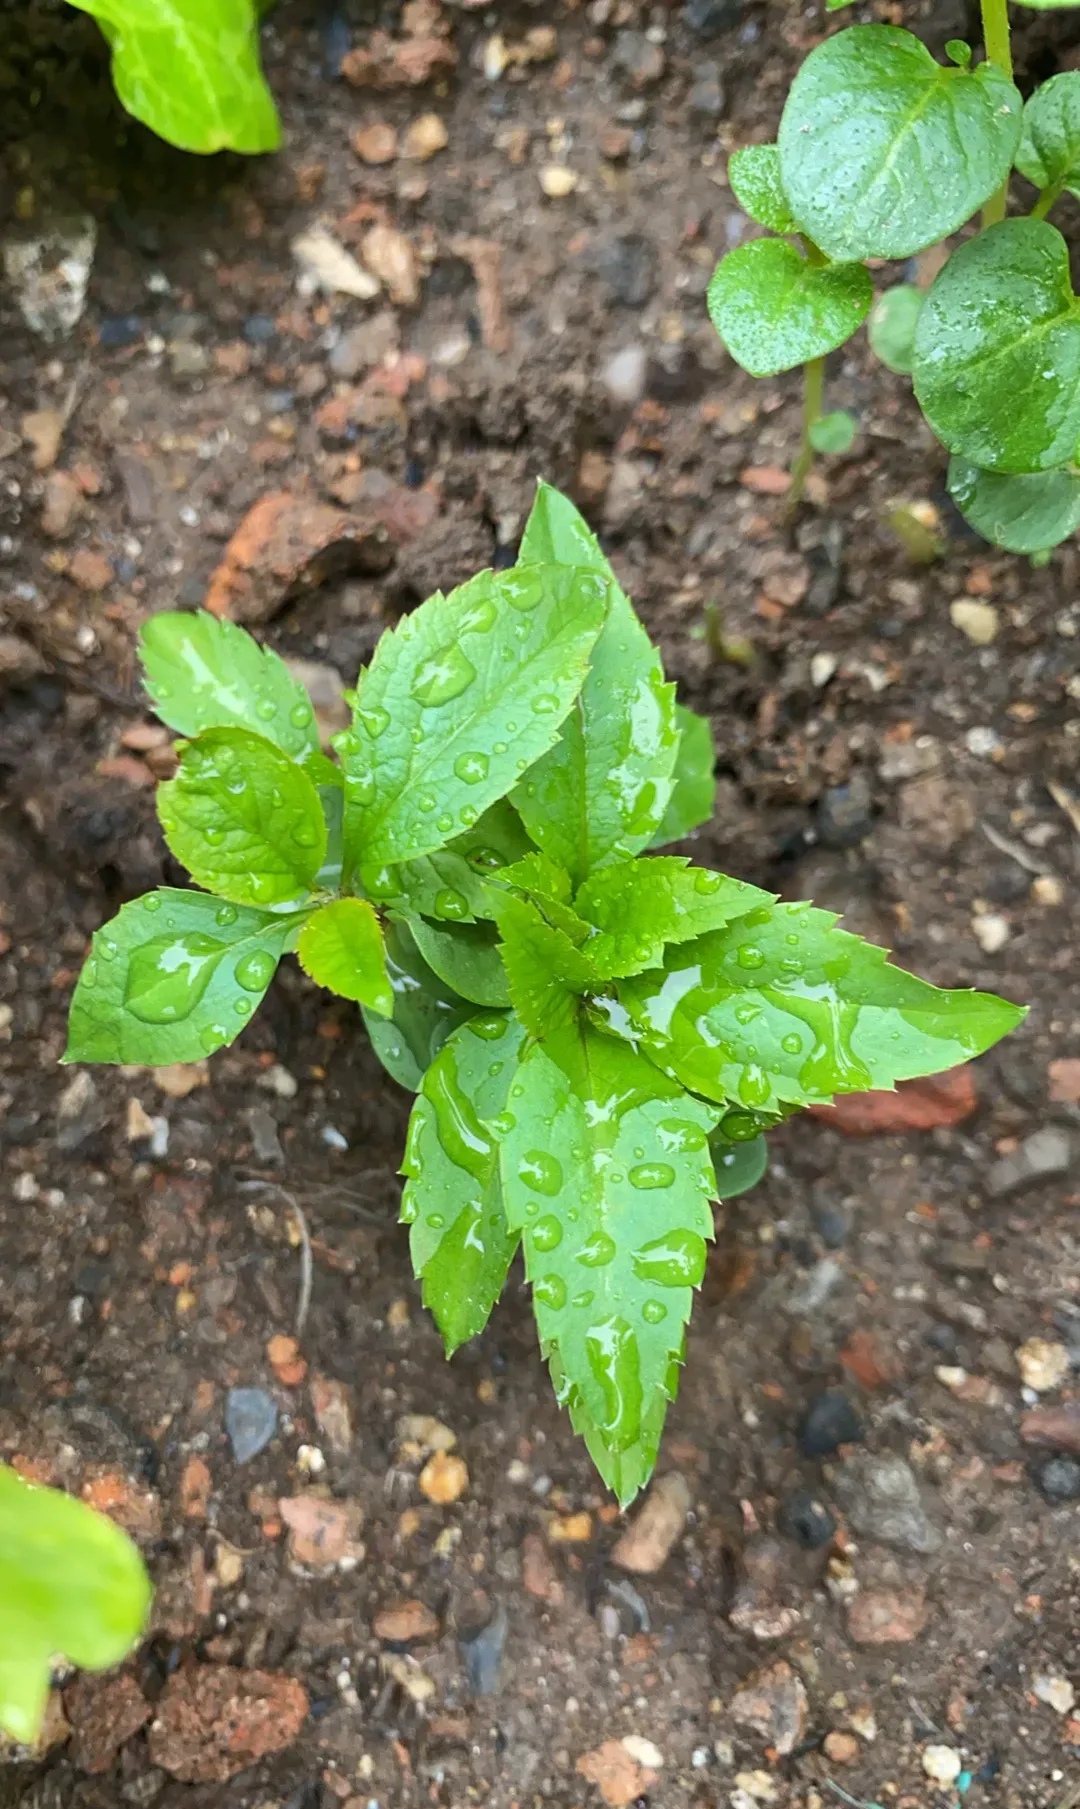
(998, 46)
(813, 399)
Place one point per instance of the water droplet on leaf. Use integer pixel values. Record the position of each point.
(541, 1172)
(471, 768)
(547, 1233)
(649, 1175)
(443, 677)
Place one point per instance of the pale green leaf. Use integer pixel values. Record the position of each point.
(774, 309)
(173, 977)
(203, 673)
(640, 906)
(1026, 514)
(891, 326)
(461, 1243)
(754, 176)
(426, 1012)
(1049, 154)
(466, 956)
(243, 819)
(693, 795)
(341, 947)
(833, 433)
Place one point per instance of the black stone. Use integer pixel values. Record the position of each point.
(709, 16)
(807, 1520)
(1058, 1478)
(832, 1225)
(830, 1421)
(843, 813)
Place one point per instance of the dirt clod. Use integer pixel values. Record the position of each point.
(214, 1722)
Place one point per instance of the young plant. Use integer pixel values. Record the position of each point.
(72, 1585)
(189, 69)
(881, 153)
(598, 1036)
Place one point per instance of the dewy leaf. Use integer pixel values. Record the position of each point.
(244, 819)
(341, 947)
(739, 1166)
(466, 956)
(189, 69)
(461, 1243)
(608, 1177)
(545, 971)
(693, 793)
(1049, 154)
(459, 699)
(453, 884)
(891, 326)
(203, 673)
(601, 792)
(173, 977)
(72, 1585)
(783, 1008)
(997, 350)
(774, 310)
(1027, 514)
(883, 151)
(426, 1012)
(754, 176)
(551, 887)
(640, 906)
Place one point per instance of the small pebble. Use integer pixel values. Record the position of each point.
(807, 1520)
(557, 181)
(1058, 1479)
(1043, 1364)
(840, 1748)
(444, 1478)
(942, 1764)
(1047, 889)
(425, 137)
(483, 1654)
(250, 1421)
(830, 1421)
(1056, 1692)
(623, 376)
(991, 932)
(979, 621)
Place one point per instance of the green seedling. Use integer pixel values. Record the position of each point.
(883, 152)
(72, 1586)
(599, 1036)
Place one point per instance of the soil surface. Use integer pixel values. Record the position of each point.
(415, 1633)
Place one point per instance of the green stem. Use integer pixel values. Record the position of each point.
(998, 47)
(1046, 200)
(813, 397)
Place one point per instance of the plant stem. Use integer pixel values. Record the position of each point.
(998, 47)
(813, 397)
(1046, 200)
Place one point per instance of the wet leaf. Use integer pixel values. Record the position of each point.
(426, 1011)
(341, 947)
(189, 69)
(833, 433)
(783, 1008)
(601, 792)
(72, 1585)
(640, 906)
(754, 176)
(774, 310)
(869, 143)
(175, 976)
(461, 1243)
(205, 673)
(466, 956)
(453, 884)
(244, 819)
(459, 699)
(1023, 514)
(693, 794)
(545, 972)
(1049, 153)
(607, 1175)
(997, 350)
(550, 887)
(891, 326)
(739, 1166)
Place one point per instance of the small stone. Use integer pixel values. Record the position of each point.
(333, 1413)
(278, 1080)
(707, 17)
(283, 1355)
(1048, 891)
(1056, 1692)
(419, 1434)
(807, 1520)
(214, 1721)
(616, 1773)
(880, 1497)
(942, 1764)
(774, 1703)
(105, 1713)
(1046, 1153)
(627, 265)
(483, 1653)
(888, 1617)
(265, 1143)
(822, 667)
(405, 1622)
(375, 144)
(844, 814)
(765, 1602)
(188, 360)
(991, 932)
(979, 621)
(623, 376)
(537, 1571)
(138, 1124)
(570, 1529)
(840, 1748)
(646, 1752)
(1058, 1479)
(425, 137)
(864, 1722)
(324, 264)
(1043, 1364)
(1064, 1077)
(177, 1079)
(647, 1542)
(615, 142)
(62, 504)
(444, 1478)
(1057, 1427)
(250, 1421)
(43, 431)
(558, 181)
(638, 58)
(706, 96)
(321, 1533)
(830, 1421)
(91, 571)
(389, 255)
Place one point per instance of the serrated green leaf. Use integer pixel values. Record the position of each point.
(891, 326)
(601, 792)
(832, 433)
(203, 673)
(739, 1166)
(545, 972)
(1025, 514)
(175, 976)
(426, 1012)
(459, 699)
(754, 176)
(883, 151)
(608, 1177)
(244, 819)
(693, 795)
(551, 887)
(624, 1472)
(1049, 153)
(341, 947)
(783, 1008)
(72, 1585)
(189, 69)
(466, 956)
(640, 906)
(461, 1243)
(454, 883)
(997, 351)
(774, 310)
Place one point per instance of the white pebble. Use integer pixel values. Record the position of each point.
(979, 621)
(643, 1751)
(1056, 1692)
(991, 932)
(1043, 1364)
(942, 1764)
(623, 375)
(558, 181)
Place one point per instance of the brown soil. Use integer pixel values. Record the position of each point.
(135, 1292)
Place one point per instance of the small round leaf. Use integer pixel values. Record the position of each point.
(1022, 514)
(883, 151)
(891, 327)
(1049, 151)
(773, 310)
(997, 351)
(754, 175)
(833, 433)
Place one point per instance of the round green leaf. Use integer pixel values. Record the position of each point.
(883, 151)
(1023, 514)
(1049, 153)
(773, 310)
(754, 175)
(833, 433)
(891, 327)
(997, 351)
(341, 947)
(243, 819)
